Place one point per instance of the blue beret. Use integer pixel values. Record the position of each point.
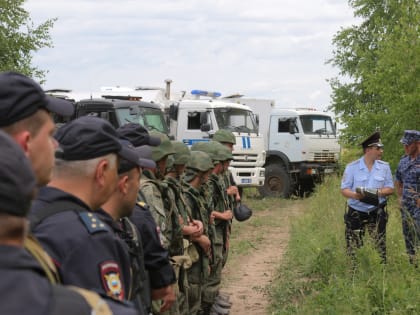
(410, 136)
(20, 97)
(89, 137)
(17, 180)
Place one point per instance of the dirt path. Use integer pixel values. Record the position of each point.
(247, 275)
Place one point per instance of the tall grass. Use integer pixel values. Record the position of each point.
(317, 276)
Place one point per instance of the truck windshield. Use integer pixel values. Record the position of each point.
(150, 118)
(235, 119)
(317, 124)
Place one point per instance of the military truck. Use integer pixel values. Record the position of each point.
(301, 146)
(118, 106)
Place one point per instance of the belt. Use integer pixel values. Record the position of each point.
(369, 212)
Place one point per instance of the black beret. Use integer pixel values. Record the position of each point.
(89, 137)
(20, 97)
(17, 180)
(144, 153)
(373, 140)
(137, 135)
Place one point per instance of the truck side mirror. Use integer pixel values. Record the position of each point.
(292, 127)
(257, 119)
(205, 127)
(203, 118)
(173, 112)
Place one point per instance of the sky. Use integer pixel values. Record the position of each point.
(273, 49)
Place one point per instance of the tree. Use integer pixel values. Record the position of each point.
(379, 62)
(20, 38)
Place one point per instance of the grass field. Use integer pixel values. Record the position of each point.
(317, 277)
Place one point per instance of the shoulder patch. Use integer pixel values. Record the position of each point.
(111, 279)
(92, 223)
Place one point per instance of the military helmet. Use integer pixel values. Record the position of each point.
(164, 149)
(223, 135)
(170, 163)
(225, 152)
(200, 161)
(207, 147)
(182, 153)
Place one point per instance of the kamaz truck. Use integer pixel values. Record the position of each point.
(301, 146)
(196, 116)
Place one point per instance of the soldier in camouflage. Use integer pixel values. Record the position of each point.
(227, 138)
(218, 208)
(185, 227)
(154, 192)
(196, 174)
(408, 191)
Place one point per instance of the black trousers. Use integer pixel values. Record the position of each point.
(358, 222)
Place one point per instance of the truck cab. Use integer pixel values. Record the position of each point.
(117, 105)
(194, 120)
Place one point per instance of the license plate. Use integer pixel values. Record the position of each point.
(328, 170)
(246, 180)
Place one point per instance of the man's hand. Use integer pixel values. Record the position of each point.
(167, 295)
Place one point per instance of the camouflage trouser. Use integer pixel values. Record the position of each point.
(195, 287)
(411, 230)
(358, 222)
(212, 285)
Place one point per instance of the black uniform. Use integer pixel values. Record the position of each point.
(85, 250)
(156, 258)
(24, 289)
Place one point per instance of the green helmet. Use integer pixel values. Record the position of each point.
(164, 149)
(182, 153)
(225, 152)
(204, 146)
(200, 161)
(170, 163)
(223, 135)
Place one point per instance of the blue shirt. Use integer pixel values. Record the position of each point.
(357, 174)
(408, 173)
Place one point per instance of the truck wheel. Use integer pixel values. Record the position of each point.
(277, 182)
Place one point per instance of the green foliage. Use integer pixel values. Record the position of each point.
(20, 38)
(318, 277)
(379, 62)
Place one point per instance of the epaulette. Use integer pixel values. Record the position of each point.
(354, 162)
(382, 162)
(92, 223)
(142, 204)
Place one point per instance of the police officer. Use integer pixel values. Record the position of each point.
(156, 259)
(196, 174)
(24, 289)
(85, 250)
(408, 190)
(120, 205)
(366, 183)
(25, 115)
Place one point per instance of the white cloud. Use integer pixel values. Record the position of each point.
(266, 48)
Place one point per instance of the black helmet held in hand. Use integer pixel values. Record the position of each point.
(242, 212)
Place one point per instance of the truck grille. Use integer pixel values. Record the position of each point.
(323, 156)
(247, 158)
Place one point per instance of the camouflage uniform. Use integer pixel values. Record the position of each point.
(217, 200)
(408, 174)
(182, 260)
(154, 192)
(199, 163)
